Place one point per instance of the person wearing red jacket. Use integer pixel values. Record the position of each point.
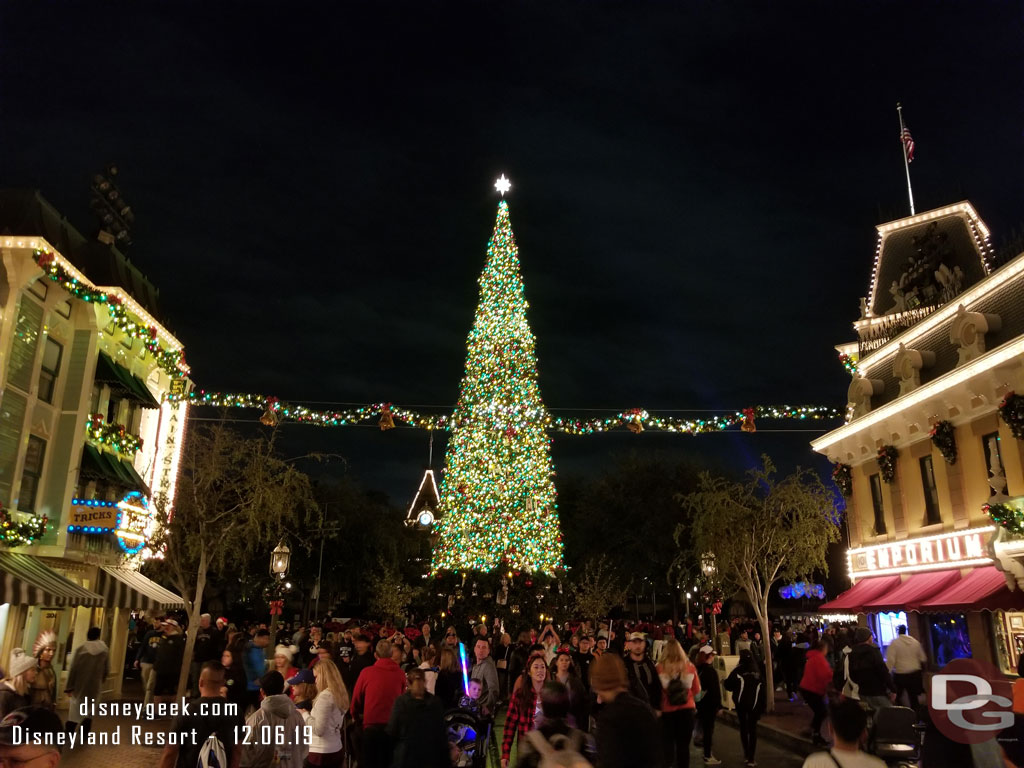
(372, 701)
(814, 685)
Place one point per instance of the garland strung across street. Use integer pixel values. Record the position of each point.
(172, 361)
(389, 415)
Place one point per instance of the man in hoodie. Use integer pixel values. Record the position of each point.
(145, 658)
(255, 662)
(372, 700)
(864, 669)
(905, 658)
(279, 716)
(628, 733)
(85, 680)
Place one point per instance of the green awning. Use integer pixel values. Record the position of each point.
(124, 381)
(98, 464)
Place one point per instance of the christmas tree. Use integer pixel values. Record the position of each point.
(497, 496)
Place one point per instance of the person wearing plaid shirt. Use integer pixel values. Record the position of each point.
(523, 707)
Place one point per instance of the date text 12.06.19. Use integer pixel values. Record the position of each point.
(273, 735)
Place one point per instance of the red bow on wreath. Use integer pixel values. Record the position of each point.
(276, 607)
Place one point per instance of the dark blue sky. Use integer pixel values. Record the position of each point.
(696, 186)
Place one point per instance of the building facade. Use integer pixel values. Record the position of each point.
(925, 450)
(87, 443)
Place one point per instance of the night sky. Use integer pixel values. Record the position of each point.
(695, 188)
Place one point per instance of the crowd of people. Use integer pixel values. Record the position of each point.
(374, 696)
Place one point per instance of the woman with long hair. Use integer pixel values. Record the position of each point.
(283, 656)
(524, 704)
(679, 688)
(15, 688)
(44, 689)
(235, 682)
(448, 686)
(564, 671)
(327, 717)
(709, 700)
(429, 655)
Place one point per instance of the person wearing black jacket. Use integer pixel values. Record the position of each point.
(710, 700)
(362, 659)
(417, 727)
(750, 697)
(644, 682)
(517, 661)
(628, 733)
(867, 672)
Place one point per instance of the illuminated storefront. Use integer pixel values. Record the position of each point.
(940, 346)
(86, 439)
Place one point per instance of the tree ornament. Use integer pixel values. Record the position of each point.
(842, 476)
(271, 416)
(748, 420)
(943, 438)
(635, 420)
(1011, 409)
(887, 456)
(387, 421)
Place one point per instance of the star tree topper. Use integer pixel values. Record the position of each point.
(503, 185)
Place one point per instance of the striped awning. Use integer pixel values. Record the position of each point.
(25, 580)
(125, 588)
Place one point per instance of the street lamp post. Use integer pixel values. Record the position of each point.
(280, 559)
(710, 569)
(688, 596)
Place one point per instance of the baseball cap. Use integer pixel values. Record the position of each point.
(31, 720)
(636, 636)
(707, 649)
(172, 622)
(305, 675)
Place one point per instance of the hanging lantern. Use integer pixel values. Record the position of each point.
(387, 421)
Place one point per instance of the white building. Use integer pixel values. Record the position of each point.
(86, 440)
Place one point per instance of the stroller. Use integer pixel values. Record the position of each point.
(467, 738)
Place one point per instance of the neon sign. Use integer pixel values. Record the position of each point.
(134, 522)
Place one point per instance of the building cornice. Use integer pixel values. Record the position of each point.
(42, 244)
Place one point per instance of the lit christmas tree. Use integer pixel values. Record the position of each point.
(497, 497)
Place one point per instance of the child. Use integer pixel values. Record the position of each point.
(470, 700)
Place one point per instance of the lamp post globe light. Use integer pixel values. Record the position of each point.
(280, 559)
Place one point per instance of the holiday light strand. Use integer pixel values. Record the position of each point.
(172, 361)
(574, 426)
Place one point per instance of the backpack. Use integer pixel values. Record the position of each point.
(678, 694)
(560, 752)
(850, 689)
(212, 755)
(751, 694)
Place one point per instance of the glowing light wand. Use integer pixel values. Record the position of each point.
(465, 668)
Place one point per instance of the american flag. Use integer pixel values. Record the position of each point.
(908, 144)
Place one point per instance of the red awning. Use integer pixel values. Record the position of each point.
(983, 589)
(864, 591)
(909, 595)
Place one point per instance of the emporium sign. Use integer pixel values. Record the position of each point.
(928, 553)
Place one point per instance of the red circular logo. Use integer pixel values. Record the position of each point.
(970, 701)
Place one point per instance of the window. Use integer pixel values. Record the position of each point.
(949, 636)
(39, 288)
(876, 503)
(31, 474)
(932, 516)
(987, 441)
(52, 354)
(63, 308)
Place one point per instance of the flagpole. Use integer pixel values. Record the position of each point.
(906, 162)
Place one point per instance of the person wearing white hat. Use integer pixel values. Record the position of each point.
(283, 656)
(21, 673)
